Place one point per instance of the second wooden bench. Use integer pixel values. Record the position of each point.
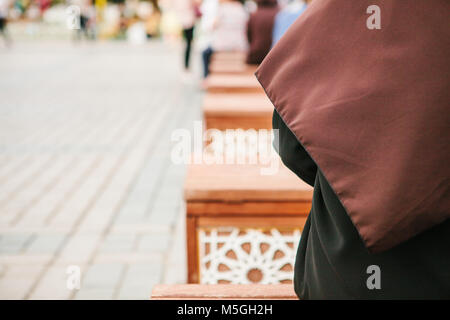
(238, 110)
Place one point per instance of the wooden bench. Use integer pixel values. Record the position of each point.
(229, 56)
(231, 67)
(237, 110)
(230, 63)
(243, 227)
(233, 83)
(223, 292)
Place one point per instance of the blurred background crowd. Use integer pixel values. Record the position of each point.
(217, 25)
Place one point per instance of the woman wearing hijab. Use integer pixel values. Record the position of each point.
(363, 116)
(259, 30)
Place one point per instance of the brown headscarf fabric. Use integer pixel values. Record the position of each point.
(372, 108)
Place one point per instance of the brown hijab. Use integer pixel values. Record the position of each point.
(372, 108)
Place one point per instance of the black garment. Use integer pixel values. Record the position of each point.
(188, 35)
(206, 58)
(2, 23)
(332, 260)
(83, 30)
(4, 31)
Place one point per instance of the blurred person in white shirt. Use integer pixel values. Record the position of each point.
(228, 31)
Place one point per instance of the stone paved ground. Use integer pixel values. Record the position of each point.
(85, 171)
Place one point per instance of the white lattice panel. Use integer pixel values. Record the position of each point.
(232, 255)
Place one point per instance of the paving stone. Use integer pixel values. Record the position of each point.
(45, 243)
(79, 249)
(13, 243)
(154, 242)
(25, 259)
(176, 263)
(118, 243)
(103, 277)
(163, 214)
(135, 257)
(94, 294)
(53, 285)
(18, 280)
(15, 289)
(139, 281)
(136, 292)
(2, 270)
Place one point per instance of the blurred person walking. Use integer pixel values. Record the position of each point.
(4, 10)
(259, 30)
(188, 12)
(153, 22)
(286, 16)
(86, 19)
(229, 31)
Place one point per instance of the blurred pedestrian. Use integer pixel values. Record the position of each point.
(188, 12)
(228, 32)
(259, 30)
(86, 19)
(4, 10)
(152, 24)
(43, 5)
(286, 17)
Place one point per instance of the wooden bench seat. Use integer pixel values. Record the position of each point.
(237, 110)
(230, 62)
(235, 215)
(231, 67)
(233, 56)
(233, 83)
(223, 292)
